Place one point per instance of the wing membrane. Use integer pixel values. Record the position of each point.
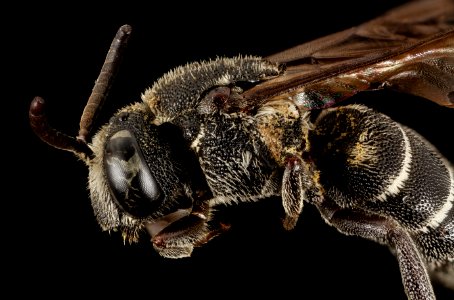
(410, 49)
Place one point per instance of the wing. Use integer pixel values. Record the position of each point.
(410, 49)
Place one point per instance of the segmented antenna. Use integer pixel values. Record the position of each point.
(78, 145)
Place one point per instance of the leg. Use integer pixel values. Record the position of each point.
(298, 185)
(292, 191)
(179, 238)
(413, 271)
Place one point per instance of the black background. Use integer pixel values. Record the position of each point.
(51, 241)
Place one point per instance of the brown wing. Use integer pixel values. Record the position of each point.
(410, 48)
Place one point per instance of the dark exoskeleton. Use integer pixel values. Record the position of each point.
(246, 128)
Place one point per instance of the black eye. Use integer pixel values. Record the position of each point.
(131, 182)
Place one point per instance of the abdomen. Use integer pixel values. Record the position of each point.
(369, 162)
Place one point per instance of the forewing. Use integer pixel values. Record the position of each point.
(410, 49)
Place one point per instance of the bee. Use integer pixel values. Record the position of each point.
(246, 128)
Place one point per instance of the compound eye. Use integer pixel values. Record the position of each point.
(128, 175)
